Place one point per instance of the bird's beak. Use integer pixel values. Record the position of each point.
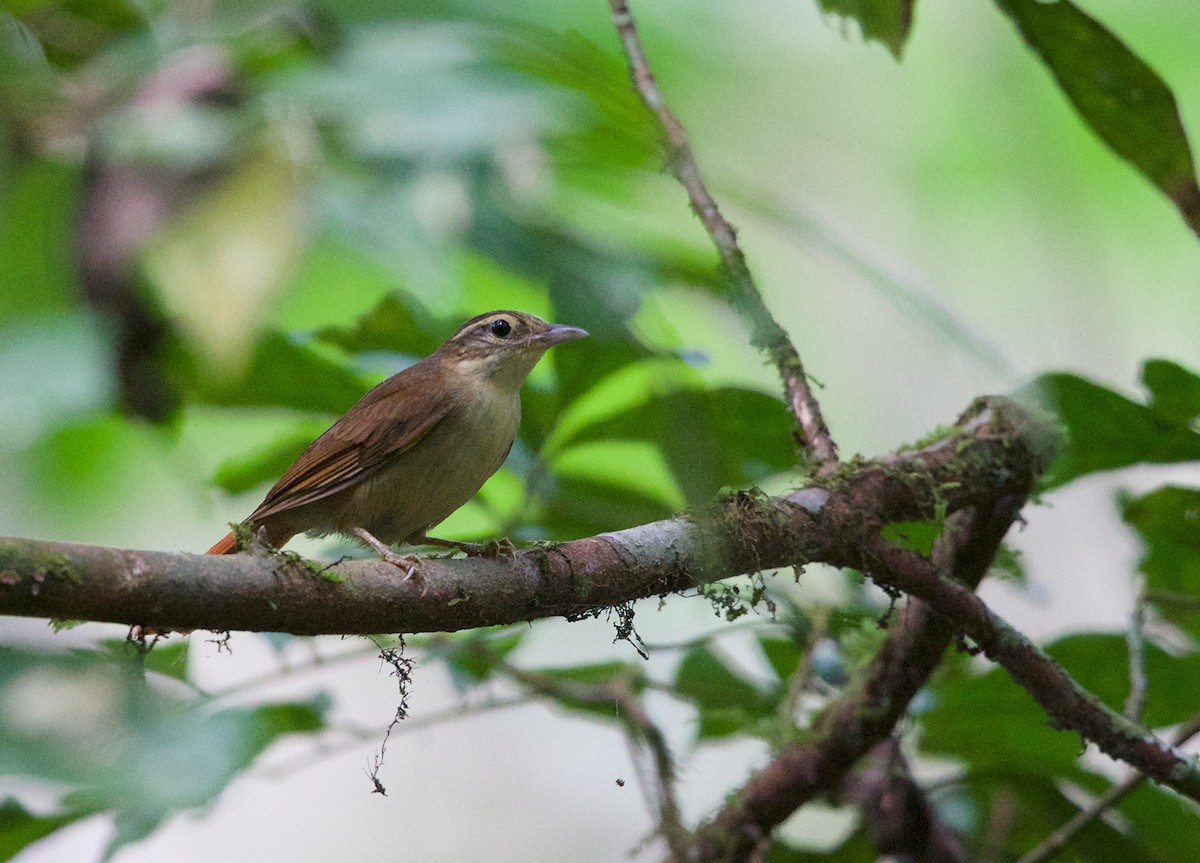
(559, 333)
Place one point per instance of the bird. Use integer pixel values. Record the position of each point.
(414, 448)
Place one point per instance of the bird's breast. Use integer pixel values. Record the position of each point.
(421, 486)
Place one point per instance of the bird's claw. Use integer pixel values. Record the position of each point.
(409, 564)
(502, 547)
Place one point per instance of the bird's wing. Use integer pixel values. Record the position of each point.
(360, 443)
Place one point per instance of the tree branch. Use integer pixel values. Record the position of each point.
(766, 333)
(996, 451)
(988, 463)
(869, 708)
(1061, 837)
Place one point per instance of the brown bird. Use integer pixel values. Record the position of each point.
(416, 447)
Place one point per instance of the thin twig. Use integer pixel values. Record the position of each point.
(766, 333)
(1058, 840)
(357, 735)
(1135, 637)
(639, 728)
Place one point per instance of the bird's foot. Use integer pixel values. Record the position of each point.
(502, 547)
(409, 564)
(492, 548)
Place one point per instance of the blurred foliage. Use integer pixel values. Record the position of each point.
(226, 226)
(90, 722)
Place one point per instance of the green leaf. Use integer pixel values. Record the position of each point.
(704, 437)
(619, 130)
(1038, 806)
(286, 373)
(1100, 663)
(1123, 100)
(392, 325)
(1175, 391)
(583, 507)
(728, 702)
(596, 674)
(169, 659)
(36, 209)
(918, 536)
(856, 849)
(1007, 564)
(476, 656)
(1166, 823)
(20, 828)
(1168, 521)
(267, 464)
(995, 725)
(1106, 430)
(783, 654)
(884, 21)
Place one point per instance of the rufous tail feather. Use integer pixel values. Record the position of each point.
(226, 546)
(229, 545)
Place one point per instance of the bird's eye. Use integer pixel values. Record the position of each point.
(500, 328)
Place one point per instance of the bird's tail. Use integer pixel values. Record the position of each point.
(226, 546)
(229, 545)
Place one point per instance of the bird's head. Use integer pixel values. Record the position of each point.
(504, 346)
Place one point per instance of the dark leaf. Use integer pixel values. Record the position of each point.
(628, 675)
(1121, 98)
(1107, 431)
(392, 325)
(711, 439)
(1168, 520)
(995, 725)
(1167, 824)
(286, 373)
(579, 507)
(856, 849)
(1175, 391)
(884, 21)
(20, 828)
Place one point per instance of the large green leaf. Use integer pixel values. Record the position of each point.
(729, 703)
(710, 438)
(392, 325)
(1100, 663)
(578, 507)
(995, 725)
(1121, 98)
(1166, 823)
(1107, 430)
(474, 656)
(616, 673)
(285, 372)
(1035, 805)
